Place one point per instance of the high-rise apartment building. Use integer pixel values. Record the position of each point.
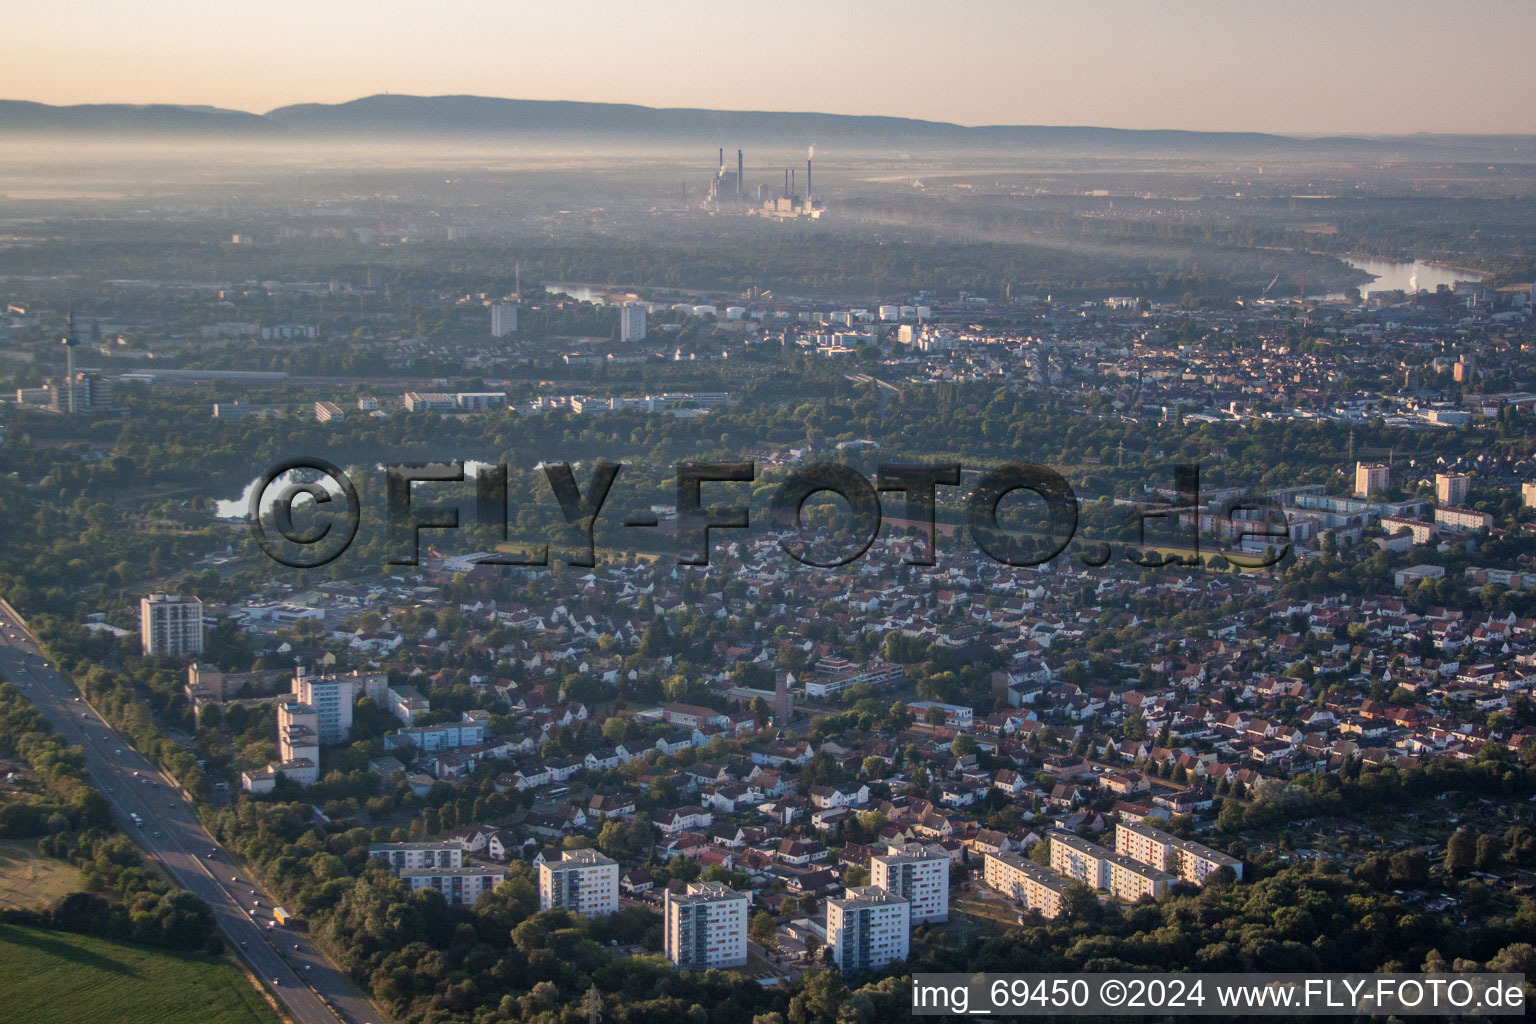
(632, 321)
(298, 744)
(1452, 488)
(705, 927)
(503, 319)
(332, 698)
(583, 882)
(171, 624)
(1371, 477)
(918, 875)
(867, 928)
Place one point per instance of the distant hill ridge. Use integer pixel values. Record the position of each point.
(404, 118)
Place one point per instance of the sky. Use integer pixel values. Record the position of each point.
(1298, 66)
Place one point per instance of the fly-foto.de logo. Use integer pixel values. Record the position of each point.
(1245, 522)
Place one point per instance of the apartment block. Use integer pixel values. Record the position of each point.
(1099, 867)
(1371, 477)
(417, 856)
(1130, 880)
(918, 875)
(298, 737)
(1452, 488)
(461, 887)
(705, 927)
(332, 698)
(632, 321)
(1465, 520)
(583, 882)
(867, 928)
(1017, 876)
(1078, 860)
(171, 624)
(503, 319)
(1183, 858)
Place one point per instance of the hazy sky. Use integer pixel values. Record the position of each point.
(1268, 65)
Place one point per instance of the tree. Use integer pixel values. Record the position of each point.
(761, 930)
(1489, 852)
(963, 745)
(1460, 852)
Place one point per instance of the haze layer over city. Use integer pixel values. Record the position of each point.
(671, 513)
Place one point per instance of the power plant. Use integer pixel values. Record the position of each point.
(728, 193)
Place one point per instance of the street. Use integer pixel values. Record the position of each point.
(310, 990)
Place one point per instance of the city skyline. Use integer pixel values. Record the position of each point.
(1121, 64)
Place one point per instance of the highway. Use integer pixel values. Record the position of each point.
(302, 981)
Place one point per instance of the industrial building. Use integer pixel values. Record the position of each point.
(728, 191)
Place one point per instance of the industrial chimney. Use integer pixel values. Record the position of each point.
(739, 185)
(807, 181)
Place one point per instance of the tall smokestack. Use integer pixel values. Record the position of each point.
(722, 158)
(807, 180)
(791, 181)
(739, 185)
(786, 181)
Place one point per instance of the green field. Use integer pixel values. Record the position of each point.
(60, 978)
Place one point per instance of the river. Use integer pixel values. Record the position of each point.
(1409, 276)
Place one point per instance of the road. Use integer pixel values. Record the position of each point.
(282, 958)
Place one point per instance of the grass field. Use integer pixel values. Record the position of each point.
(59, 978)
(28, 881)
